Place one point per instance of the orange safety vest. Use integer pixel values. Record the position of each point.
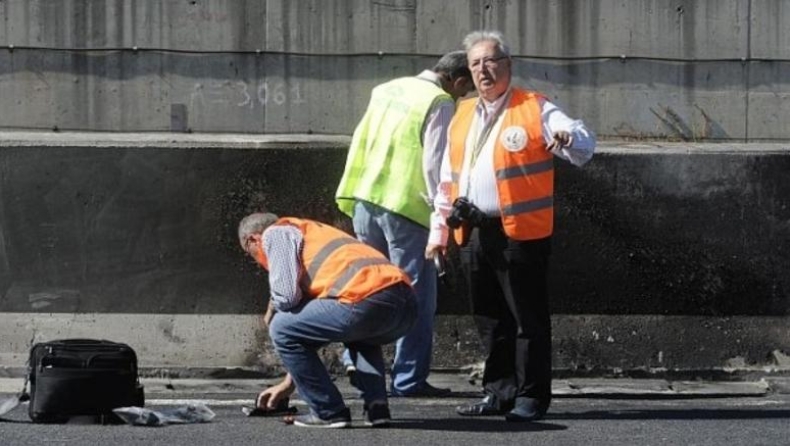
(523, 167)
(338, 265)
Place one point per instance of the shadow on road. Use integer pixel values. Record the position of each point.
(671, 414)
(473, 425)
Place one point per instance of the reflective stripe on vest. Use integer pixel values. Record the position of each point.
(324, 253)
(351, 270)
(528, 206)
(524, 176)
(525, 169)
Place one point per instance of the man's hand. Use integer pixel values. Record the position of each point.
(431, 251)
(269, 398)
(561, 139)
(267, 318)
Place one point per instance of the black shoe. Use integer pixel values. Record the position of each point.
(424, 391)
(526, 409)
(484, 408)
(377, 415)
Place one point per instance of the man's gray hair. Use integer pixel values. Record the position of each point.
(453, 64)
(255, 224)
(476, 37)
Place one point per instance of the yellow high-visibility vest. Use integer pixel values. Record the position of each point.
(384, 163)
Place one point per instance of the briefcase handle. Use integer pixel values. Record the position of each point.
(82, 341)
(132, 368)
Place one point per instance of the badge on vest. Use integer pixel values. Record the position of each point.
(514, 139)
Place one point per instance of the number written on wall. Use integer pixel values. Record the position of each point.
(246, 95)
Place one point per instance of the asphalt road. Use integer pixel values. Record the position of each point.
(624, 420)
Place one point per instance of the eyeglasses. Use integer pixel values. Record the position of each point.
(488, 62)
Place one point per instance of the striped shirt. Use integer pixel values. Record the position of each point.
(434, 137)
(282, 245)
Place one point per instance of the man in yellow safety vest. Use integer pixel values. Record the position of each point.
(388, 187)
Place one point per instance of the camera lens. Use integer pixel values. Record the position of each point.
(458, 213)
(453, 222)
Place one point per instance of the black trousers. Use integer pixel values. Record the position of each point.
(507, 283)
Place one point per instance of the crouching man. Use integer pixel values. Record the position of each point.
(327, 287)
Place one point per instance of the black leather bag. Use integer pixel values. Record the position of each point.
(82, 377)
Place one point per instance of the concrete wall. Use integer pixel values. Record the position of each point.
(693, 70)
(666, 256)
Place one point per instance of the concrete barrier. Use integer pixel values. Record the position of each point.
(667, 257)
(650, 69)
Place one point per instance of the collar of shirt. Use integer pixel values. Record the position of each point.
(486, 110)
(430, 76)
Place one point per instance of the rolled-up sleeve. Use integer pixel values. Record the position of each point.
(583, 146)
(434, 142)
(439, 231)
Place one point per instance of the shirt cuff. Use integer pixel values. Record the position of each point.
(283, 304)
(439, 231)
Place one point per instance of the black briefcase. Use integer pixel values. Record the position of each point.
(82, 377)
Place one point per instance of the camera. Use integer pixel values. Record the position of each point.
(464, 211)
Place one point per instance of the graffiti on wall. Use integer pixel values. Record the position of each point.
(249, 95)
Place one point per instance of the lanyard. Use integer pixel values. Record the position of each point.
(480, 136)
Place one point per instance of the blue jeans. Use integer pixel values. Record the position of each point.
(363, 327)
(403, 242)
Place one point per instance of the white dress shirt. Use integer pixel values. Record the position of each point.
(434, 137)
(478, 181)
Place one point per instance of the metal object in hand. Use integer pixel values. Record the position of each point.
(439, 261)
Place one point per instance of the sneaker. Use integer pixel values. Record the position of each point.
(339, 420)
(351, 373)
(378, 415)
(424, 391)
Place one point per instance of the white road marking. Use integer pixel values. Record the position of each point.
(207, 402)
